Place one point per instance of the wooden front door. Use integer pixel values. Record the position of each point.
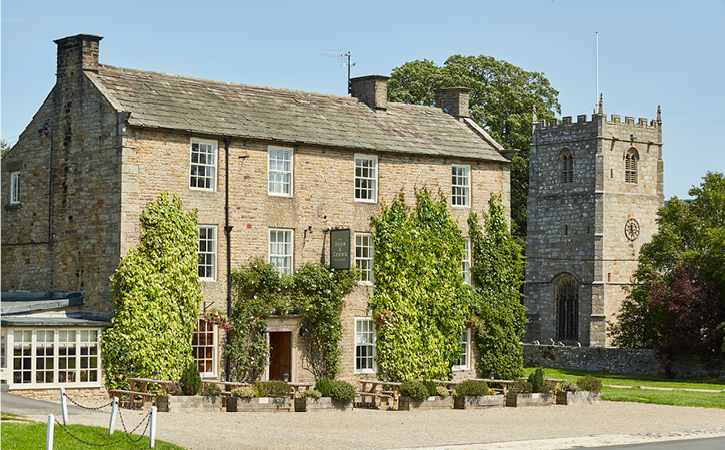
(280, 359)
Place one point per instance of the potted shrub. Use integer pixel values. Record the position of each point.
(411, 392)
(472, 394)
(586, 390)
(309, 396)
(342, 394)
(162, 400)
(521, 394)
(241, 392)
(263, 396)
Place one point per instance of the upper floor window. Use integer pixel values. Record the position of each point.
(567, 167)
(461, 186)
(366, 178)
(630, 166)
(280, 249)
(364, 345)
(466, 261)
(364, 256)
(202, 174)
(280, 171)
(207, 252)
(14, 188)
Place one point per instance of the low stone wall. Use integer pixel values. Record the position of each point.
(53, 394)
(615, 360)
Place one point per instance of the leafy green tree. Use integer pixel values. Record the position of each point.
(157, 293)
(497, 276)
(420, 302)
(680, 277)
(503, 97)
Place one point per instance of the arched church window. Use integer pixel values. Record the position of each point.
(567, 309)
(567, 167)
(630, 166)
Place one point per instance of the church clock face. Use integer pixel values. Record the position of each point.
(631, 229)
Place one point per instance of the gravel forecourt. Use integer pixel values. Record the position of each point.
(549, 427)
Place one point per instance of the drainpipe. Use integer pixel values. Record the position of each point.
(228, 233)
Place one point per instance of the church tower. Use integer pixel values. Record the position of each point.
(594, 190)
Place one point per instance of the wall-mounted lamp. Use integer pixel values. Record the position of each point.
(155, 374)
(285, 377)
(303, 331)
(223, 376)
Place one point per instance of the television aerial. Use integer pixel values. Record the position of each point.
(348, 64)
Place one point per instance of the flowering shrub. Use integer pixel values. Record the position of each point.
(476, 323)
(218, 319)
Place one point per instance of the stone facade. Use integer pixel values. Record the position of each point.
(589, 213)
(90, 163)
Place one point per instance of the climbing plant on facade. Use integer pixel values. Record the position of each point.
(315, 292)
(157, 293)
(420, 300)
(497, 276)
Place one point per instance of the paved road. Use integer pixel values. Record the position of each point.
(693, 444)
(16, 404)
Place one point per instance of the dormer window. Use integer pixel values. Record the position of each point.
(630, 166)
(567, 167)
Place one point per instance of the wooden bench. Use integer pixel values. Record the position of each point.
(147, 398)
(374, 396)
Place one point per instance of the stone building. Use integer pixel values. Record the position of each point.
(290, 165)
(595, 187)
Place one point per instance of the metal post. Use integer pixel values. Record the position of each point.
(152, 428)
(114, 411)
(49, 433)
(64, 406)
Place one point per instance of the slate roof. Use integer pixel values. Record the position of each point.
(165, 101)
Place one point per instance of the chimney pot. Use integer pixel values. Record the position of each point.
(371, 90)
(453, 100)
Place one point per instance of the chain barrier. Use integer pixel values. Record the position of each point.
(146, 419)
(144, 429)
(86, 407)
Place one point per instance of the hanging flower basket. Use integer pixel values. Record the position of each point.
(385, 319)
(476, 323)
(218, 319)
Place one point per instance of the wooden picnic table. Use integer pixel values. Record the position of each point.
(504, 383)
(296, 387)
(369, 389)
(143, 383)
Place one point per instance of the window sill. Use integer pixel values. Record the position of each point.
(12, 206)
(370, 202)
(201, 189)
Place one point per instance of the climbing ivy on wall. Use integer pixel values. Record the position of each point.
(315, 292)
(157, 293)
(497, 276)
(420, 302)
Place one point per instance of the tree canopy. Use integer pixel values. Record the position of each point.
(157, 294)
(503, 97)
(676, 304)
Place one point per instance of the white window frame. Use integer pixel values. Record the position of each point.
(464, 360)
(280, 179)
(203, 252)
(85, 362)
(364, 257)
(282, 251)
(365, 338)
(197, 346)
(460, 186)
(466, 261)
(209, 169)
(15, 187)
(366, 183)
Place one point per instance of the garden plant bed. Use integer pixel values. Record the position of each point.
(578, 398)
(313, 404)
(435, 402)
(259, 404)
(173, 403)
(529, 399)
(478, 402)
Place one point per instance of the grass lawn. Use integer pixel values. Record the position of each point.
(31, 435)
(678, 398)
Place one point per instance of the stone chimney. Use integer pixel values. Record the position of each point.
(453, 100)
(371, 90)
(75, 54)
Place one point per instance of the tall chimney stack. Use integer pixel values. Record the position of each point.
(453, 100)
(76, 54)
(371, 90)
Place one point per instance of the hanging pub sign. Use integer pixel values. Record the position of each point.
(340, 249)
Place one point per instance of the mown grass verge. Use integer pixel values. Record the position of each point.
(635, 380)
(31, 436)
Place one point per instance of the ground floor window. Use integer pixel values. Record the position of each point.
(464, 361)
(203, 348)
(364, 345)
(47, 357)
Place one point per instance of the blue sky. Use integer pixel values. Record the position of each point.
(668, 53)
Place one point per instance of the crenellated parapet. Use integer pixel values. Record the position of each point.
(581, 121)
